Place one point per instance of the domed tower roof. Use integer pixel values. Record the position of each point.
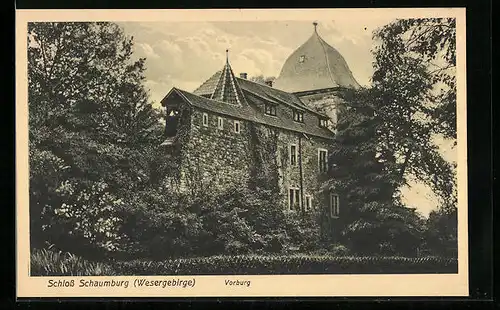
(315, 65)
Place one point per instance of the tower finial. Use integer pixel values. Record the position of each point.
(315, 26)
(227, 55)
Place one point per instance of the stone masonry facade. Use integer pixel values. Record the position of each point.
(216, 152)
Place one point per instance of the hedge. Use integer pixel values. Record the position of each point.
(49, 263)
(281, 264)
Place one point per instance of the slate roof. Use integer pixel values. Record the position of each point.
(265, 92)
(227, 88)
(315, 65)
(247, 112)
(208, 87)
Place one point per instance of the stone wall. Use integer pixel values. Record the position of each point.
(327, 103)
(307, 150)
(219, 157)
(257, 156)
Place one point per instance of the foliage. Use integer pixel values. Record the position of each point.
(261, 79)
(287, 264)
(428, 43)
(359, 171)
(386, 136)
(414, 94)
(386, 230)
(374, 220)
(441, 235)
(92, 131)
(234, 221)
(50, 263)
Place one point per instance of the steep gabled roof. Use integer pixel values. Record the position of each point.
(227, 88)
(247, 112)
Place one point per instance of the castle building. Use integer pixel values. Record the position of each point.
(232, 131)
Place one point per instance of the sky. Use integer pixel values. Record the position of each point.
(185, 54)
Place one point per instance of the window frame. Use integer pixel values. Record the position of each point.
(321, 124)
(298, 116)
(220, 123)
(322, 164)
(237, 126)
(205, 117)
(270, 109)
(308, 201)
(295, 160)
(294, 192)
(334, 208)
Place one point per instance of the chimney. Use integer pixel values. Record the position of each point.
(243, 75)
(269, 83)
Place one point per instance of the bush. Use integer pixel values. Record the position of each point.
(50, 263)
(385, 230)
(441, 233)
(168, 224)
(288, 264)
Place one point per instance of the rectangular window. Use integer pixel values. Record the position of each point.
(220, 123)
(270, 109)
(298, 116)
(237, 126)
(323, 122)
(205, 119)
(293, 155)
(322, 160)
(334, 205)
(308, 205)
(294, 198)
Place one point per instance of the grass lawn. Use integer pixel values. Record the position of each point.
(48, 263)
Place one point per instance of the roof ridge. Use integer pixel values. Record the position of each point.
(285, 92)
(185, 94)
(205, 98)
(323, 42)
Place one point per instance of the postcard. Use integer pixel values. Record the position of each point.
(242, 153)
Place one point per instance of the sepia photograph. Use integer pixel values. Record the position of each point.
(316, 146)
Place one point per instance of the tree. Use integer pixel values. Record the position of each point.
(261, 79)
(414, 91)
(441, 235)
(433, 42)
(373, 219)
(385, 136)
(92, 130)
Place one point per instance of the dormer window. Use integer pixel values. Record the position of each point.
(323, 122)
(298, 116)
(302, 58)
(270, 109)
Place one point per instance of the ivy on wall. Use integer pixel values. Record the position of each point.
(263, 148)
